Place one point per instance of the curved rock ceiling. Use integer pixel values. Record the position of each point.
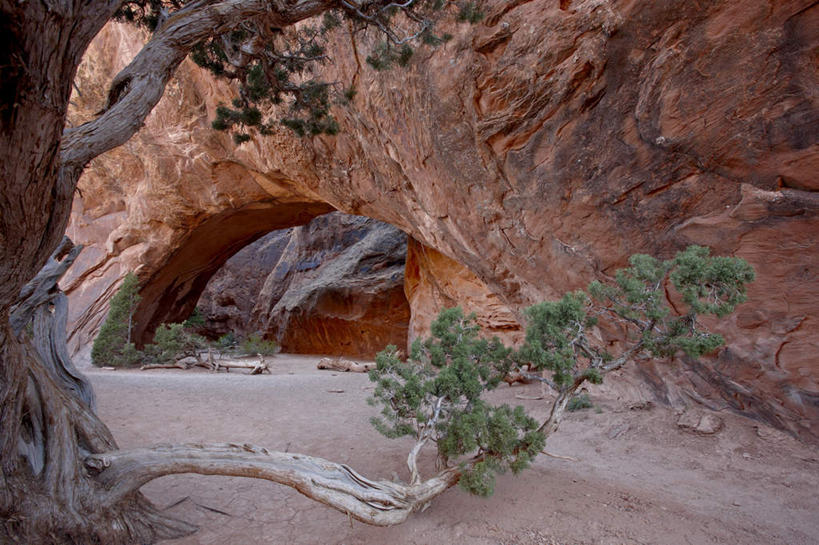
(536, 150)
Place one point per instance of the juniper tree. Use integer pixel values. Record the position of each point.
(435, 395)
(559, 335)
(113, 345)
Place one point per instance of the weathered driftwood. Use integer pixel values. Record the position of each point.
(257, 367)
(176, 365)
(340, 364)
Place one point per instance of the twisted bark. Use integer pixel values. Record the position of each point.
(381, 503)
(56, 455)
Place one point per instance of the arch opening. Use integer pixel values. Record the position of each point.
(327, 283)
(171, 292)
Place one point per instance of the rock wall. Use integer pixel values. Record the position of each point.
(334, 286)
(434, 281)
(227, 303)
(539, 149)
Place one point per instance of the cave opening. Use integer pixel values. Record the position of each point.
(332, 285)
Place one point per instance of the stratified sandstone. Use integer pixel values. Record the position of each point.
(337, 289)
(538, 149)
(334, 286)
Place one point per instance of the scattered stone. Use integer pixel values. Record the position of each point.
(617, 431)
(700, 422)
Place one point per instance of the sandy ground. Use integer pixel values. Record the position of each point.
(638, 478)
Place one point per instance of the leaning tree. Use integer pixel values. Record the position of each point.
(63, 478)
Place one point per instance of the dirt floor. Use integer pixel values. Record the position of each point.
(638, 477)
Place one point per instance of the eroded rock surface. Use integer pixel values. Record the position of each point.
(537, 149)
(228, 300)
(334, 286)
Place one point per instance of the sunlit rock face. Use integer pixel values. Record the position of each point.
(334, 286)
(538, 149)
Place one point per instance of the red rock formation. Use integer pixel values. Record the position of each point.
(539, 149)
(337, 289)
(334, 286)
(433, 281)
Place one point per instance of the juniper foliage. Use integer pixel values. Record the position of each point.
(558, 335)
(435, 396)
(172, 342)
(280, 67)
(113, 345)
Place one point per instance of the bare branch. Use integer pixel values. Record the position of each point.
(141, 84)
(381, 503)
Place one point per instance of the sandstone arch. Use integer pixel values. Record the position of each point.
(561, 141)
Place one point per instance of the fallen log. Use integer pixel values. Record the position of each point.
(256, 367)
(177, 365)
(340, 364)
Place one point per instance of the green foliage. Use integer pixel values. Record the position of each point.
(273, 66)
(470, 12)
(171, 342)
(113, 343)
(228, 340)
(195, 320)
(552, 328)
(579, 402)
(255, 344)
(385, 55)
(436, 394)
(557, 335)
(710, 285)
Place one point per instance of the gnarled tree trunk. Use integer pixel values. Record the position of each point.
(62, 478)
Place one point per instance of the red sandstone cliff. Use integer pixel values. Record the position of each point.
(333, 286)
(536, 150)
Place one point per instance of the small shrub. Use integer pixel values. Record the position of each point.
(578, 402)
(228, 340)
(255, 344)
(172, 342)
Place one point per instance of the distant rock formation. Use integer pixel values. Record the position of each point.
(227, 302)
(334, 286)
(536, 150)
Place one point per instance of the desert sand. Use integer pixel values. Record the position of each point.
(636, 477)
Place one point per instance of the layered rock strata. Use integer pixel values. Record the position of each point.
(334, 286)
(538, 149)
